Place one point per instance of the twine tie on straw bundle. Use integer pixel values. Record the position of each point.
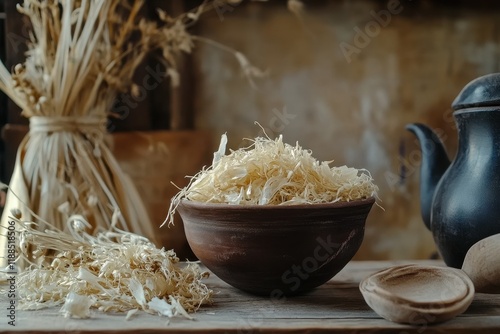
(86, 125)
(93, 128)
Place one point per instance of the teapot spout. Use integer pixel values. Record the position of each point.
(434, 163)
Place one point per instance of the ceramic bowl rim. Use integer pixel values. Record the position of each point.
(235, 207)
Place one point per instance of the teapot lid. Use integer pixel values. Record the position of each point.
(480, 92)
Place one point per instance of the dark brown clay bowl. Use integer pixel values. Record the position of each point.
(275, 250)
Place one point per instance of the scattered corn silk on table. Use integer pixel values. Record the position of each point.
(271, 172)
(113, 271)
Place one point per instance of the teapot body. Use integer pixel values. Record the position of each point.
(460, 200)
(466, 202)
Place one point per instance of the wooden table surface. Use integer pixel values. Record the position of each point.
(337, 306)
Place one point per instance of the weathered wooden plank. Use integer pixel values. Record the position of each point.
(335, 307)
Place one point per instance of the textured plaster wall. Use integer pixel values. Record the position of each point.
(350, 109)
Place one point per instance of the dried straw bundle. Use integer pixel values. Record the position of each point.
(79, 58)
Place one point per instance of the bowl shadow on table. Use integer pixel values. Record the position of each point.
(335, 295)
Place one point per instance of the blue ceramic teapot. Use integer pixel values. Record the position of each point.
(460, 200)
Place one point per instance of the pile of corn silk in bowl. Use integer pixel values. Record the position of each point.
(271, 172)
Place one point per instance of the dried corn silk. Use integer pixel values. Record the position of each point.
(271, 172)
(112, 271)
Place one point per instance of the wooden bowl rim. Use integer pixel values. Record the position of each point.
(235, 207)
(374, 285)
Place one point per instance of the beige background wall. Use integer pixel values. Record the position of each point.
(409, 70)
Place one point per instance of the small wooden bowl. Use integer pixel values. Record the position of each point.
(275, 250)
(415, 294)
